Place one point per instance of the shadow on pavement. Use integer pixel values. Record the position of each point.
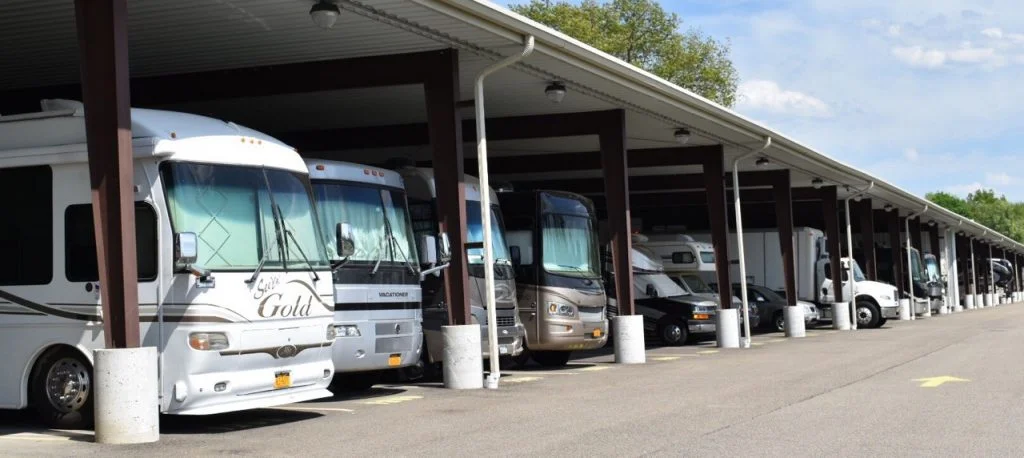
(231, 422)
(15, 422)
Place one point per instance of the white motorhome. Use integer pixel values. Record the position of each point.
(875, 302)
(234, 283)
(689, 263)
(377, 311)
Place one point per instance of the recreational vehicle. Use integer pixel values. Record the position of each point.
(919, 276)
(553, 238)
(234, 284)
(377, 297)
(419, 183)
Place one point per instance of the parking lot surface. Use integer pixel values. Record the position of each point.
(948, 385)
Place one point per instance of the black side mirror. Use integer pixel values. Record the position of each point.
(513, 252)
(651, 291)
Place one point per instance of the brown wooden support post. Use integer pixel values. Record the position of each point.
(933, 240)
(915, 235)
(444, 124)
(614, 164)
(103, 56)
(895, 253)
(714, 168)
(830, 211)
(784, 220)
(867, 239)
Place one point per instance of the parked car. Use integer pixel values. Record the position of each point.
(771, 305)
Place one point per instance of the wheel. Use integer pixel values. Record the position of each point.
(881, 321)
(551, 358)
(673, 331)
(868, 315)
(359, 381)
(779, 321)
(522, 359)
(61, 389)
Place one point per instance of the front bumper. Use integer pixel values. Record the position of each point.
(377, 345)
(510, 340)
(701, 326)
(891, 311)
(579, 336)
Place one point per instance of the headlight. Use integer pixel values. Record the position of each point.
(503, 293)
(558, 309)
(347, 330)
(331, 333)
(208, 340)
(885, 298)
(703, 308)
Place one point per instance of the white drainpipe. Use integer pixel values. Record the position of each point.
(991, 274)
(910, 275)
(724, 289)
(485, 206)
(849, 252)
(974, 275)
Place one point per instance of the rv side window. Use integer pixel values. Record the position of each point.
(422, 215)
(828, 271)
(686, 258)
(26, 225)
(80, 264)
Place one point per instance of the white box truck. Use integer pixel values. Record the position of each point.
(875, 302)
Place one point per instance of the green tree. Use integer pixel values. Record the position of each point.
(642, 33)
(984, 206)
(950, 202)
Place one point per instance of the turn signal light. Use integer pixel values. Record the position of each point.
(208, 340)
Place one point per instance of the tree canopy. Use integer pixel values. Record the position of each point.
(985, 207)
(642, 33)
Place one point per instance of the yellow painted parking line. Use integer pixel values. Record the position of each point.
(316, 409)
(518, 379)
(774, 340)
(811, 334)
(665, 358)
(595, 368)
(934, 382)
(37, 437)
(527, 373)
(707, 352)
(392, 400)
(757, 344)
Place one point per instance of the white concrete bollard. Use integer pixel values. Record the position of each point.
(841, 316)
(979, 301)
(727, 328)
(904, 309)
(628, 335)
(794, 321)
(462, 361)
(127, 403)
(987, 299)
(969, 301)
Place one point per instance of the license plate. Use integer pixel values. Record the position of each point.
(502, 350)
(597, 333)
(282, 380)
(394, 360)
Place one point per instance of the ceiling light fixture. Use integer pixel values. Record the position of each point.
(555, 91)
(762, 161)
(682, 135)
(324, 14)
(888, 207)
(817, 183)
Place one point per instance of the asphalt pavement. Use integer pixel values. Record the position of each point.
(945, 386)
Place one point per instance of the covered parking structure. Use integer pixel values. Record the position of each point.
(394, 78)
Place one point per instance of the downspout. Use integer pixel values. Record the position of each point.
(485, 206)
(910, 265)
(974, 275)
(955, 270)
(849, 251)
(991, 274)
(724, 289)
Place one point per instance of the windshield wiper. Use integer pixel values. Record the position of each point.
(298, 246)
(391, 241)
(275, 215)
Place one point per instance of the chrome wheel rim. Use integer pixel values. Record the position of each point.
(780, 323)
(864, 315)
(673, 333)
(68, 385)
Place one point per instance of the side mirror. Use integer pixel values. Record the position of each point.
(345, 239)
(428, 249)
(444, 248)
(651, 291)
(186, 248)
(513, 252)
(760, 299)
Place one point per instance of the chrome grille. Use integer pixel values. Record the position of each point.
(506, 321)
(393, 344)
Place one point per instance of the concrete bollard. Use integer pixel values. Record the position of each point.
(727, 328)
(462, 358)
(969, 301)
(628, 335)
(987, 299)
(841, 316)
(979, 301)
(905, 309)
(794, 321)
(127, 403)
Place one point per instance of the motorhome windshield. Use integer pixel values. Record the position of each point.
(569, 245)
(916, 269)
(662, 284)
(695, 284)
(932, 267)
(475, 229)
(707, 257)
(364, 208)
(231, 210)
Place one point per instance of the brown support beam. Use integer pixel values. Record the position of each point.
(933, 240)
(616, 182)
(784, 217)
(830, 210)
(867, 238)
(915, 235)
(442, 96)
(715, 185)
(962, 266)
(103, 57)
(327, 75)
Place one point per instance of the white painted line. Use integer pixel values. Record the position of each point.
(316, 409)
(393, 400)
(517, 373)
(519, 379)
(707, 352)
(595, 368)
(35, 437)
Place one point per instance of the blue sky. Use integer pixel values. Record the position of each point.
(927, 94)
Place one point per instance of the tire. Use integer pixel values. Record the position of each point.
(881, 321)
(522, 359)
(359, 381)
(673, 331)
(551, 358)
(868, 315)
(779, 321)
(61, 389)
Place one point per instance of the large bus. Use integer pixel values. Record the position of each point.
(422, 206)
(553, 238)
(234, 283)
(376, 280)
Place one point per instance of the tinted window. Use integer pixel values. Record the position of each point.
(26, 225)
(80, 264)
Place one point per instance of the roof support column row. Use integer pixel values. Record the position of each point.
(867, 238)
(830, 211)
(714, 182)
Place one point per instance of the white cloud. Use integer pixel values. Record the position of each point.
(911, 154)
(970, 55)
(768, 96)
(917, 56)
(964, 189)
(895, 30)
(998, 178)
(993, 32)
